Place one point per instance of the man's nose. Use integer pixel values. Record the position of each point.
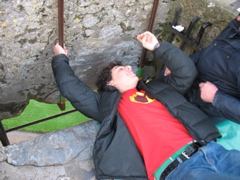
(128, 67)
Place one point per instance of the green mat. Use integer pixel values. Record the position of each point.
(230, 134)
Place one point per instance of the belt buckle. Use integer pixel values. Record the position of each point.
(185, 154)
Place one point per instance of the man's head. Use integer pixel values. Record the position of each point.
(117, 75)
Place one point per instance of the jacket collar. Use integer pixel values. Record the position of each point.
(110, 88)
(235, 25)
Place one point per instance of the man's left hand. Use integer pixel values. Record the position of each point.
(148, 40)
(208, 91)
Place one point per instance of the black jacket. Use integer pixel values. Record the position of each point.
(115, 154)
(219, 63)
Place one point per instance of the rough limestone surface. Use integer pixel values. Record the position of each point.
(217, 12)
(64, 154)
(96, 32)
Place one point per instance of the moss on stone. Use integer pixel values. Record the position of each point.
(22, 41)
(20, 7)
(32, 41)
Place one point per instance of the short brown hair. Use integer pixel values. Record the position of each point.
(106, 76)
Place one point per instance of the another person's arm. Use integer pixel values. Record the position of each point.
(227, 105)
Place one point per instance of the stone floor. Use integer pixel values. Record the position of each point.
(18, 136)
(61, 155)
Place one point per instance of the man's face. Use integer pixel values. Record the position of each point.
(123, 78)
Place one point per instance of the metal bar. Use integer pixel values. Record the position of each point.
(154, 10)
(201, 31)
(184, 37)
(3, 136)
(40, 120)
(189, 30)
(200, 34)
(61, 22)
(178, 11)
(149, 28)
(61, 104)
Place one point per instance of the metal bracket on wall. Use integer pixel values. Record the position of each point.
(186, 36)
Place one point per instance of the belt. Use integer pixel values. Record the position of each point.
(186, 154)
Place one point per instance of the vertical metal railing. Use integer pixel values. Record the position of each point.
(61, 104)
(149, 28)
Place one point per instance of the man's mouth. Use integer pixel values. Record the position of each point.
(130, 73)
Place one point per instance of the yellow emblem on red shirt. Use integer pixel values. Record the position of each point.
(140, 97)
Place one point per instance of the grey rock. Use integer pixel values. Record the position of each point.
(60, 147)
(58, 155)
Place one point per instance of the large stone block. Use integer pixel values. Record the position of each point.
(64, 154)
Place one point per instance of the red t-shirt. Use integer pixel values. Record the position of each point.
(156, 133)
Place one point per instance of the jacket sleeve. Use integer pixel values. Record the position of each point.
(195, 56)
(82, 97)
(183, 70)
(228, 106)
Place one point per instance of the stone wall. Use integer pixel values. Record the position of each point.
(95, 32)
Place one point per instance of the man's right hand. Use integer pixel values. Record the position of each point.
(60, 50)
(208, 91)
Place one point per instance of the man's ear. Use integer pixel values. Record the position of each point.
(111, 83)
